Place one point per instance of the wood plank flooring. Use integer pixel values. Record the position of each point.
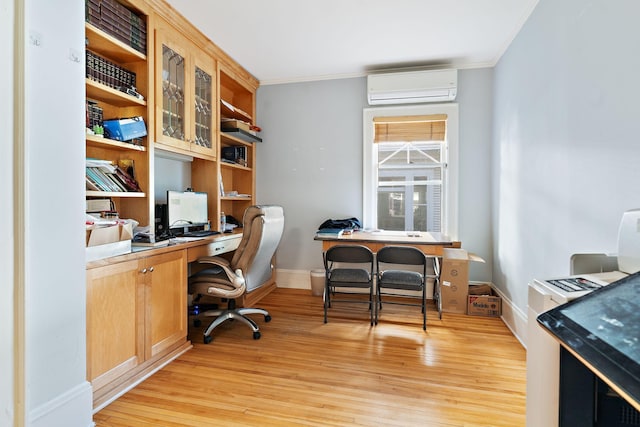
(462, 372)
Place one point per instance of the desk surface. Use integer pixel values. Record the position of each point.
(205, 246)
(429, 243)
(413, 237)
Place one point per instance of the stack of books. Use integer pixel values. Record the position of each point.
(103, 175)
(330, 232)
(109, 73)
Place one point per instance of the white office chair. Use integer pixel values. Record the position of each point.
(249, 268)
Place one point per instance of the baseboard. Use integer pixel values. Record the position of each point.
(294, 279)
(514, 318)
(72, 408)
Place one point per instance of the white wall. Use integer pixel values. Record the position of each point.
(6, 216)
(311, 161)
(565, 150)
(54, 257)
(170, 174)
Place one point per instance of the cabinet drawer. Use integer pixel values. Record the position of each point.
(214, 248)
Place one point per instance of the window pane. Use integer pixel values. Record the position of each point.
(409, 189)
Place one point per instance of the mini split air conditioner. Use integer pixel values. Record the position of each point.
(412, 87)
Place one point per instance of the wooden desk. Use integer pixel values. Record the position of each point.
(430, 243)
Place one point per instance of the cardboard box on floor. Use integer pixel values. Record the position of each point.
(454, 279)
(487, 304)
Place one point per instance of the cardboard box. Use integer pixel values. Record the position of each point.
(484, 305)
(104, 242)
(235, 124)
(454, 279)
(480, 289)
(125, 129)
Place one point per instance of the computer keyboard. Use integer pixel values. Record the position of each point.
(200, 233)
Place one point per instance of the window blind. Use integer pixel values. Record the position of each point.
(410, 128)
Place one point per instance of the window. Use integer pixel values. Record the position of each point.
(410, 179)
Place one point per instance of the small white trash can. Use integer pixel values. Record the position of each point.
(317, 282)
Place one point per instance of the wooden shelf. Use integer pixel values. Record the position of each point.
(107, 45)
(242, 135)
(234, 166)
(131, 194)
(236, 198)
(232, 112)
(232, 139)
(101, 92)
(102, 142)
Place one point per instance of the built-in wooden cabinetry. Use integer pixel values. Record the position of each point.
(187, 85)
(135, 316)
(117, 104)
(185, 113)
(136, 304)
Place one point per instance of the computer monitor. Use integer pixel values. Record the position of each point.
(186, 209)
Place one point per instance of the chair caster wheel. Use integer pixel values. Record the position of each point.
(267, 318)
(256, 335)
(207, 339)
(197, 323)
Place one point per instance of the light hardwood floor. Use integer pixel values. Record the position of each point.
(462, 372)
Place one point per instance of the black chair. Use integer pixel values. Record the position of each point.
(391, 280)
(348, 268)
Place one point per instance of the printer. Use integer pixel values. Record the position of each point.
(591, 271)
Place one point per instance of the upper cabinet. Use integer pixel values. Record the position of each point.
(185, 94)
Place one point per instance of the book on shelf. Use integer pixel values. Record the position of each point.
(127, 179)
(103, 175)
(91, 185)
(96, 179)
(127, 165)
(330, 232)
(236, 194)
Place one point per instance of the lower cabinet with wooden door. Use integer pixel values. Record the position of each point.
(136, 320)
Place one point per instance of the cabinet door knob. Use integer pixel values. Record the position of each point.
(143, 271)
(150, 269)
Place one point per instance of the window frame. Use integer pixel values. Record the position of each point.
(450, 172)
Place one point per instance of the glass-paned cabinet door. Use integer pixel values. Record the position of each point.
(172, 100)
(204, 110)
(173, 91)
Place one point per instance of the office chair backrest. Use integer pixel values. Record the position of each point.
(261, 234)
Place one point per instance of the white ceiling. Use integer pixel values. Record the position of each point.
(296, 40)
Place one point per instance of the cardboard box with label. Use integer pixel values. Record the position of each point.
(107, 241)
(485, 305)
(483, 301)
(454, 279)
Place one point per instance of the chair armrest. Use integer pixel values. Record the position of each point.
(215, 260)
(235, 277)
